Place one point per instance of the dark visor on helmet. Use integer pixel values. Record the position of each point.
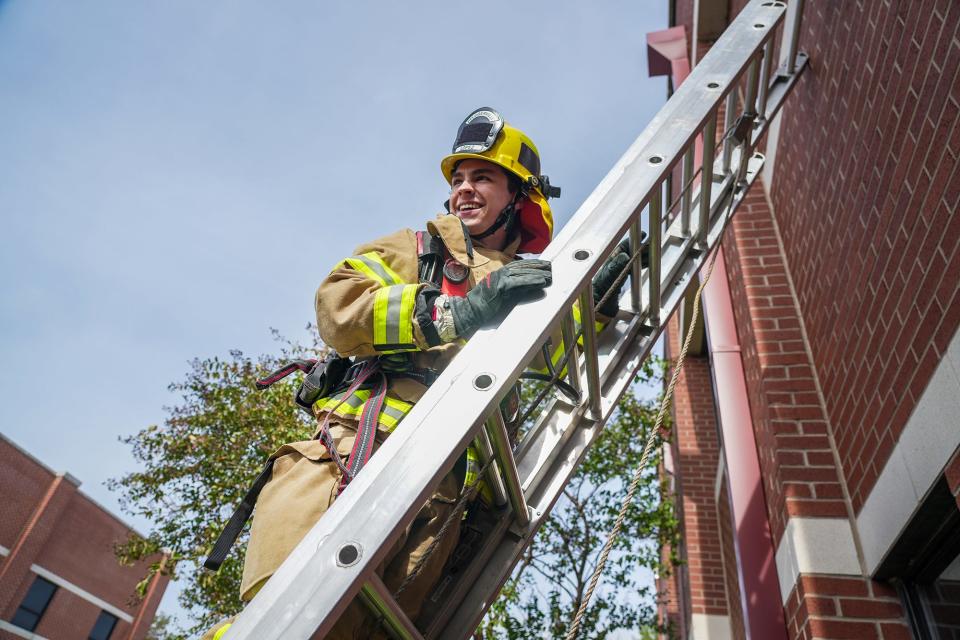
(479, 131)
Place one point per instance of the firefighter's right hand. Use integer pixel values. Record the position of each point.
(498, 293)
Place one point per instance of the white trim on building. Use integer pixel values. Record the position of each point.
(704, 626)
(86, 595)
(929, 439)
(815, 545)
(17, 631)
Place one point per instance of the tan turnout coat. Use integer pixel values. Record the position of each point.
(304, 479)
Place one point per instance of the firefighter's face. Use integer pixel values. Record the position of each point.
(479, 191)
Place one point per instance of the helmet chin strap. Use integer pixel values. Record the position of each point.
(508, 216)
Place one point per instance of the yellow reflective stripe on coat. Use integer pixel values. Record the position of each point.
(472, 475)
(393, 318)
(597, 325)
(390, 416)
(221, 631)
(372, 265)
(558, 352)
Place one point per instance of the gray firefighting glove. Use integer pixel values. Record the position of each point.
(498, 293)
(606, 278)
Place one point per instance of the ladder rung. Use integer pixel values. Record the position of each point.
(379, 599)
(503, 453)
(588, 328)
(485, 452)
(572, 351)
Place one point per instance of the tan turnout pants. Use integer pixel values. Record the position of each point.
(302, 486)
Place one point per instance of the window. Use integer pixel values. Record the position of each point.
(104, 626)
(924, 564)
(34, 604)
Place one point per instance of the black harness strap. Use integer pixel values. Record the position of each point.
(239, 518)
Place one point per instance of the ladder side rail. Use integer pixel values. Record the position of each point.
(312, 588)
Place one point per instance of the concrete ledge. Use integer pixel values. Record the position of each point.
(815, 545)
(17, 631)
(928, 441)
(86, 595)
(704, 626)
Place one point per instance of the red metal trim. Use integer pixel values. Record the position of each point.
(757, 569)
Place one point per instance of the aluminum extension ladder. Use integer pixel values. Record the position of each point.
(336, 561)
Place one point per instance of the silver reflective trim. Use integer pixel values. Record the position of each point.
(378, 269)
(394, 301)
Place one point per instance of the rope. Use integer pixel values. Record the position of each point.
(648, 448)
(664, 403)
(469, 495)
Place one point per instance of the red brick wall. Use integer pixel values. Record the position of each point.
(844, 607)
(111, 581)
(22, 483)
(800, 477)
(866, 194)
(696, 462)
(65, 533)
(70, 616)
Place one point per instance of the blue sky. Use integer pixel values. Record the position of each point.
(179, 176)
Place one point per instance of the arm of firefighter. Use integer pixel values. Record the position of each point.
(367, 305)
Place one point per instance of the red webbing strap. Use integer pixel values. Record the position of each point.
(326, 437)
(366, 431)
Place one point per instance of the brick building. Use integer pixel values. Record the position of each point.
(815, 458)
(59, 578)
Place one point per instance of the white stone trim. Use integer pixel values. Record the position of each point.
(17, 631)
(929, 439)
(721, 474)
(815, 545)
(86, 595)
(704, 626)
(952, 572)
(770, 153)
(4, 551)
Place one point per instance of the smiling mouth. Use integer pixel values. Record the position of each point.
(469, 209)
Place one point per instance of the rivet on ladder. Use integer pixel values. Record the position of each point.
(349, 554)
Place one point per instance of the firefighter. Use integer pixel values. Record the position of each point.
(402, 307)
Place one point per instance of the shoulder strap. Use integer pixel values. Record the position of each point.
(430, 251)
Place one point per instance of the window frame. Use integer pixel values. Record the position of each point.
(38, 580)
(113, 626)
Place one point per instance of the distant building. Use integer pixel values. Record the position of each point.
(59, 578)
(816, 458)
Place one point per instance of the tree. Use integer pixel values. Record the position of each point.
(548, 586)
(197, 465)
(160, 629)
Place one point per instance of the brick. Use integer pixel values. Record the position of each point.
(952, 472)
(843, 629)
(817, 508)
(828, 585)
(820, 606)
(877, 609)
(894, 631)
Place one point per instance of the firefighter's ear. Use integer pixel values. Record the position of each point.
(446, 205)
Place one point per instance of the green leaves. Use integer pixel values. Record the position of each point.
(197, 465)
(548, 585)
